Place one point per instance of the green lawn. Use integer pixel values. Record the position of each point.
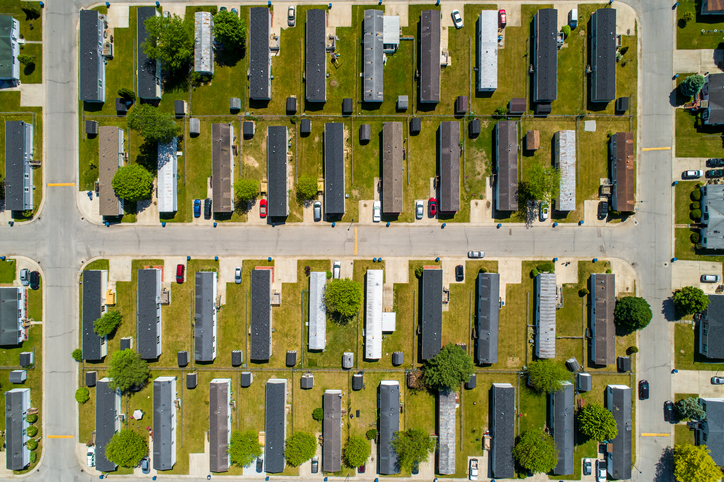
(685, 249)
(7, 271)
(97, 264)
(686, 345)
(32, 73)
(704, 32)
(683, 201)
(30, 28)
(683, 435)
(693, 139)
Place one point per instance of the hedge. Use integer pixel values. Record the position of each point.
(695, 237)
(696, 195)
(695, 215)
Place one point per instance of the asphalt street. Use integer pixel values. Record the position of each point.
(61, 241)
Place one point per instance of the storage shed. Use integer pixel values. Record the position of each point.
(18, 376)
(474, 128)
(403, 102)
(179, 108)
(27, 358)
(121, 107)
(585, 382)
(543, 109)
(532, 140)
(291, 105)
(183, 358)
(127, 343)
(516, 106)
(194, 126)
(245, 379)
(398, 358)
(91, 378)
(237, 358)
(472, 382)
(91, 128)
(461, 104)
(248, 129)
(572, 364)
(358, 381)
(192, 379)
(291, 358)
(305, 127)
(622, 104)
(307, 381)
(415, 126)
(624, 364)
(347, 359)
(365, 133)
(235, 104)
(347, 106)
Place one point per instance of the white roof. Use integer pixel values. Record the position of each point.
(545, 315)
(317, 311)
(566, 163)
(389, 321)
(373, 315)
(389, 382)
(391, 29)
(167, 167)
(203, 40)
(488, 50)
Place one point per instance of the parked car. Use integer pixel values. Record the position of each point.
(25, 277)
(362, 469)
(715, 162)
(336, 269)
(315, 465)
(317, 211)
(180, 270)
(717, 380)
(643, 390)
(415, 468)
(207, 208)
(602, 209)
(714, 173)
(669, 411)
(476, 254)
(459, 273)
(693, 174)
(543, 215)
(237, 275)
(91, 456)
(259, 464)
(710, 278)
(291, 16)
(473, 469)
(601, 470)
(432, 207)
(262, 208)
(587, 466)
(145, 465)
(197, 208)
(419, 209)
(457, 18)
(34, 280)
(376, 211)
(502, 18)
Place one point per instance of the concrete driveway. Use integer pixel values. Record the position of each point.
(688, 273)
(693, 381)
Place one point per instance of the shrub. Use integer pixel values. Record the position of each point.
(107, 323)
(32, 431)
(694, 205)
(534, 272)
(609, 271)
(32, 418)
(127, 94)
(583, 292)
(318, 414)
(418, 271)
(132, 183)
(371, 434)
(692, 85)
(32, 444)
(82, 395)
(25, 59)
(329, 274)
(546, 376)
(695, 237)
(695, 215)
(566, 31)
(632, 349)
(343, 298)
(306, 187)
(695, 195)
(483, 270)
(546, 267)
(500, 112)
(77, 355)
(33, 457)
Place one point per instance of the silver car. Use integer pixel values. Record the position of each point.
(335, 269)
(237, 275)
(710, 278)
(291, 16)
(317, 211)
(25, 277)
(419, 209)
(476, 254)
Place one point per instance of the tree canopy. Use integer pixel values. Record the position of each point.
(356, 452)
(632, 313)
(597, 422)
(127, 370)
(449, 368)
(244, 448)
(82, 395)
(690, 300)
(132, 183)
(413, 447)
(152, 124)
(546, 375)
(536, 451)
(299, 448)
(107, 323)
(246, 190)
(170, 40)
(689, 408)
(230, 30)
(126, 448)
(318, 414)
(692, 85)
(693, 463)
(543, 183)
(343, 297)
(306, 187)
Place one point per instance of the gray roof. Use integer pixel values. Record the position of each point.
(334, 168)
(110, 147)
(502, 429)
(148, 69)
(9, 333)
(307, 381)
(164, 423)
(446, 407)
(430, 56)
(347, 106)
(18, 154)
(245, 379)
(317, 311)
(603, 331)
(565, 160)
(545, 55)
(431, 335)
(237, 357)
(712, 203)
(259, 58)
(389, 413)
(373, 78)
(106, 423)
(486, 349)
(560, 421)
(203, 42)
(194, 126)
(17, 401)
(148, 301)
(261, 314)
(713, 428)
(365, 133)
(222, 136)
(316, 55)
(26, 358)
(92, 307)
(603, 55)
(487, 51)
(618, 402)
(305, 126)
(92, 64)
(714, 92)
(506, 158)
(449, 166)
(392, 168)
(622, 172)
(192, 380)
(332, 431)
(585, 382)
(276, 165)
(358, 381)
(204, 316)
(711, 329)
(219, 397)
(17, 376)
(545, 315)
(9, 48)
(275, 425)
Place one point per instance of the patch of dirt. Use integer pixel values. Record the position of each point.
(513, 362)
(333, 83)
(250, 161)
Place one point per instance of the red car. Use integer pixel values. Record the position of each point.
(502, 18)
(262, 208)
(180, 270)
(433, 206)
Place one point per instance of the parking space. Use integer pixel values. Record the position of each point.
(688, 273)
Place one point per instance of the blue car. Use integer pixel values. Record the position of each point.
(197, 208)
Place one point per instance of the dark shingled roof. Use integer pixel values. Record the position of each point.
(711, 329)
(275, 425)
(9, 332)
(358, 381)
(291, 358)
(305, 127)
(624, 364)
(474, 128)
(18, 376)
(585, 382)
(121, 106)
(245, 379)
(461, 104)
(192, 379)
(373, 80)
(92, 305)
(259, 59)
(603, 55)
(449, 166)
(472, 382)
(148, 300)
(365, 133)
(415, 125)
(431, 336)
(276, 168)
(430, 56)
(183, 358)
(712, 427)
(222, 167)
(261, 314)
(237, 357)
(17, 166)
(398, 358)
(291, 105)
(316, 60)
(219, 396)
(347, 106)
(392, 168)
(306, 381)
(622, 172)
(248, 127)
(179, 107)
(17, 401)
(389, 416)
(560, 421)
(91, 57)
(105, 423)
(502, 429)
(545, 55)
(603, 331)
(334, 169)
(516, 105)
(618, 402)
(91, 378)
(91, 127)
(26, 358)
(204, 316)
(126, 343)
(148, 78)
(332, 431)
(486, 348)
(506, 156)
(164, 423)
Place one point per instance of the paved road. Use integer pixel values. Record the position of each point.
(60, 240)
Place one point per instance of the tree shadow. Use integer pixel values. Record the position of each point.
(665, 466)
(148, 156)
(669, 310)
(29, 69)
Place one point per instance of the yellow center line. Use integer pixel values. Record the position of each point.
(355, 241)
(60, 436)
(59, 184)
(656, 435)
(656, 149)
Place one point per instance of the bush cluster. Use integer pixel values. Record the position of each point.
(695, 237)
(695, 195)
(695, 215)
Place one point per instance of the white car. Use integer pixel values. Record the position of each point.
(25, 277)
(693, 174)
(291, 17)
(376, 211)
(335, 269)
(237, 275)
(710, 278)
(92, 456)
(457, 18)
(473, 469)
(543, 211)
(476, 254)
(419, 209)
(601, 470)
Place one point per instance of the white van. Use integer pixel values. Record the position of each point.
(573, 18)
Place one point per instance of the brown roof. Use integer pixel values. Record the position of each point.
(713, 6)
(622, 172)
(392, 168)
(603, 300)
(506, 156)
(221, 135)
(532, 140)
(517, 105)
(109, 147)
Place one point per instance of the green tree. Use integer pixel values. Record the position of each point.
(132, 183)
(77, 355)
(82, 395)
(693, 463)
(230, 30)
(566, 29)
(449, 368)
(692, 85)
(536, 451)
(371, 434)
(244, 448)
(25, 59)
(689, 408)
(32, 418)
(688, 17)
(299, 448)
(318, 414)
(32, 431)
(246, 190)
(127, 370)
(107, 323)
(542, 184)
(413, 447)
(690, 300)
(126, 447)
(546, 376)
(32, 444)
(632, 313)
(152, 124)
(356, 452)
(306, 187)
(127, 94)
(597, 423)
(343, 298)
(170, 40)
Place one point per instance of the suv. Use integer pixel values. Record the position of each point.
(459, 273)
(315, 465)
(317, 211)
(713, 173)
(715, 162)
(602, 209)
(207, 208)
(601, 470)
(34, 280)
(669, 411)
(710, 278)
(643, 390)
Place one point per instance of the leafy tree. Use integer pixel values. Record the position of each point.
(127, 94)
(32, 431)
(690, 408)
(32, 418)
(597, 423)
(413, 447)
(632, 349)
(32, 444)
(299, 448)
(449, 368)
(418, 271)
(688, 16)
(132, 183)
(170, 40)
(371, 434)
(230, 30)
(152, 124)
(107, 323)
(632, 313)
(500, 111)
(566, 29)
(546, 376)
(32, 12)
(356, 452)
(690, 300)
(694, 464)
(244, 448)
(126, 447)
(82, 395)
(343, 298)
(318, 414)
(77, 355)
(542, 184)
(306, 187)
(127, 370)
(536, 451)
(692, 85)
(246, 189)
(25, 59)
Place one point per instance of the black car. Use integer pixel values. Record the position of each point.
(716, 162)
(602, 209)
(34, 280)
(713, 173)
(643, 390)
(207, 208)
(259, 464)
(669, 411)
(459, 274)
